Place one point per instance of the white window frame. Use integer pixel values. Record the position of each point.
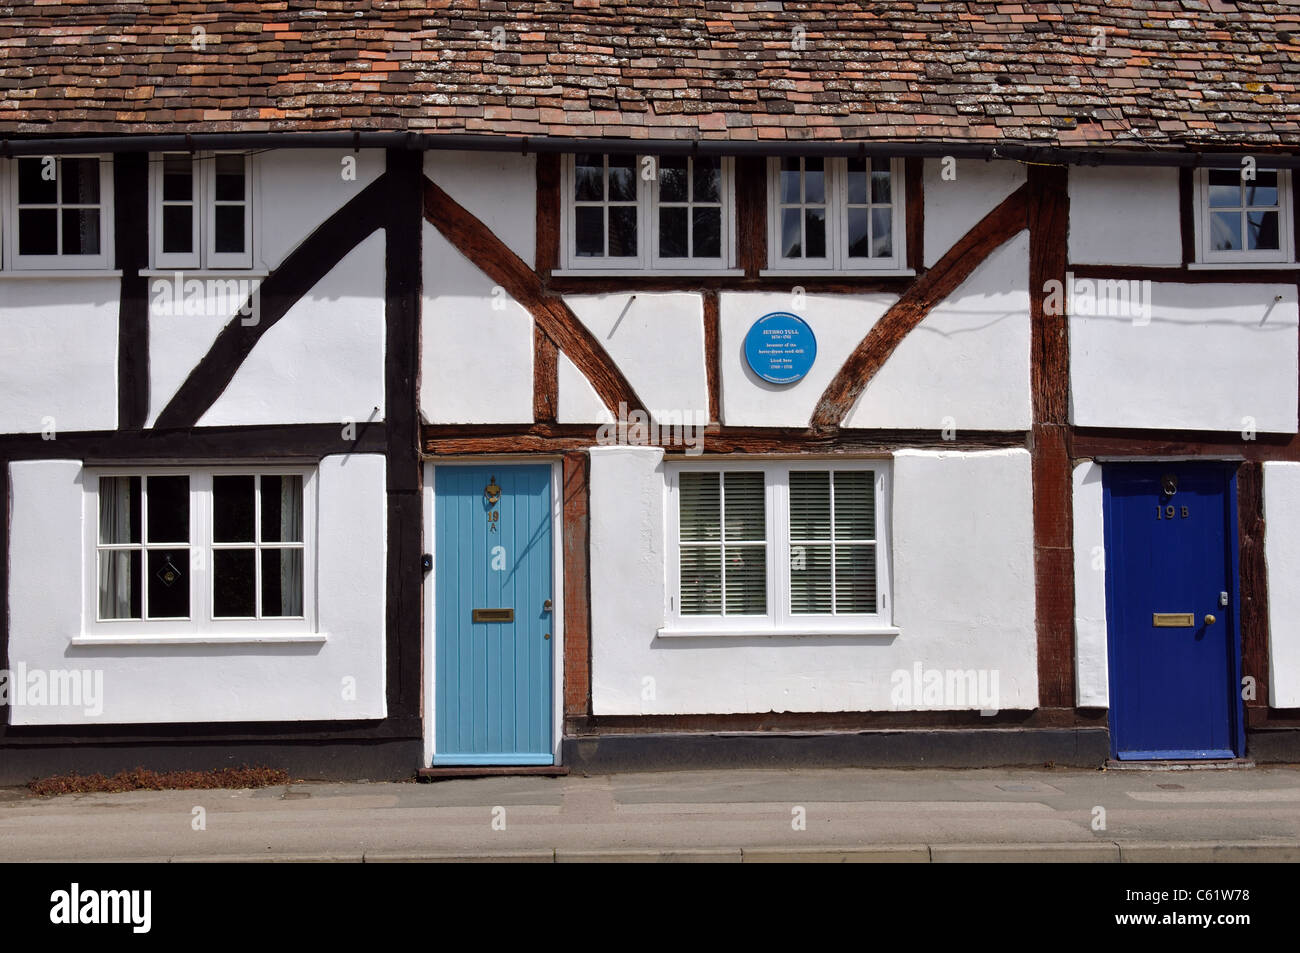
(201, 623)
(779, 620)
(1283, 255)
(837, 260)
(203, 165)
(12, 260)
(647, 260)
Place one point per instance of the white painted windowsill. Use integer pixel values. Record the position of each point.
(204, 272)
(837, 273)
(250, 639)
(60, 273)
(1243, 266)
(648, 273)
(759, 632)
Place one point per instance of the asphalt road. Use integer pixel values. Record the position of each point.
(843, 814)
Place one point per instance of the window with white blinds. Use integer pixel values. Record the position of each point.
(779, 546)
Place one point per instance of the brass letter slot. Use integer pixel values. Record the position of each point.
(1173, 620)
(493, 615)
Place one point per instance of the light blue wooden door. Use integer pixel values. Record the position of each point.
(492, 615)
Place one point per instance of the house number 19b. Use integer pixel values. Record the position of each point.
(1168, 512)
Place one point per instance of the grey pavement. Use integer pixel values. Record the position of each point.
(728, 815)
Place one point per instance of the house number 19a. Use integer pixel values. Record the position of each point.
(1168, 512)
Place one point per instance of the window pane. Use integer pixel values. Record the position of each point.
(119, 584)
(80, 181)
(588, 178)
(814, 180)
(119, 509)
(746, 580)
(169, 509)
(38, 231)
(232, 509)
(855, 504)
(229, 178)
(229, 227)
(701, 580)
(855, 578)
(1225, 231)
(622, 231)
(1225, 188)
(178, 228)
(859, 245)
(33, 188)
(810, 505)
(1263, 191)
(700, 506)
(882, 232)
(881, 181)
(282, 509)
(169, 586)
(281, 582)
(622, 178)
(790, 182)
(815, 232)
(706, 180)
(707, 235)
(1261, 230)
(810, 578)
(178, 178)
(672, 232)
(81, 231)
(790, 245)
(233, 593)
(744, 506)
(672, 179)
(857, 181)
(589, 222)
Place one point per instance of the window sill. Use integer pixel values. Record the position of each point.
(1243, 265)
(813, 631)
(60, 273)
(204, 272)
(648, 273)
(250, 639)
(837, 273)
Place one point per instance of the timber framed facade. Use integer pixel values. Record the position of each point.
(465, 466)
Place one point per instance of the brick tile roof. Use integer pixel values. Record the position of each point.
(1075, 74)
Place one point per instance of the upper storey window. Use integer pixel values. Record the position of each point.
(1240, 220)
(647, 213)
(59, 213)
(202, 210)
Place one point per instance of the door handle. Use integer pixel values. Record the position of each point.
(1209, 619)
(546, 606)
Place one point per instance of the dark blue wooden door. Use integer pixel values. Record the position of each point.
(1171, 611)
(493, 615)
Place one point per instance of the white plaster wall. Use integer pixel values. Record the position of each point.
(953, 207)
(578, 401)
(1212, 357)
(657, 340)
(298, 189)
(838, 323)
(323, 362)
(497, 188)
(966, 365)
(1282, 554)
(1123, 215)
(963, 597)
(58, 351)
(476, 360)
(1092, 686)
(203, 683)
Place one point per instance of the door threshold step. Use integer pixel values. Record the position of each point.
(447, 772)
(1217, 765)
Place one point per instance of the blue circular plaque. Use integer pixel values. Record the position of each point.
(780, 347)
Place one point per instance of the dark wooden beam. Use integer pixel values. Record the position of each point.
(1253, 580)
(307, 264)
(546, 377)
(1049, 215)
(495, 259)
(1186, 276)
(914, 189)
(821, 284)
(993, 230)
(131, 248)
(1186, 221)
(548, 213)
(577, 595)
(1092, 442)
(201, 444)
(712, 355)
(751, 215)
